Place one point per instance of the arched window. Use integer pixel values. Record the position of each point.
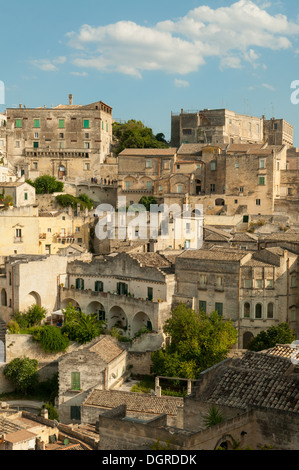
(99, 286)
(80, 283)
(270, 310)
(258, 311)
(3, 298)
(247, 310)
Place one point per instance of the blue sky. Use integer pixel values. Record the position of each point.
(147, 59)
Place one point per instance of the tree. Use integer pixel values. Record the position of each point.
(81, 327)
(22, 372)
(213, 417)
(33, 316)
(198, 341)
(67, 200)
(46, 185)
(134, 134)
(146, 201)
(280, 334)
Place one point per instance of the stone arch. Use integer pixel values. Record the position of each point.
(61, 171)
(97, 308)
(247, 337)
(140, 320)
(65, 303)
(117, 318)
(3, 298)
(219, 202)
(33, 298)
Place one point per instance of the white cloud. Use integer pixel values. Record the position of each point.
(231, 33)
(181, 83)
(269, 87)
(48, 65)
(79, 74)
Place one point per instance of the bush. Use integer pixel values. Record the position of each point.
(22, 372)
(13, 327)
(52, 412)
(32, 317)
(46, 185)
(67, 200)
(51, 339)
(281, 334)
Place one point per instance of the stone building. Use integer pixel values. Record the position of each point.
(130, 291)
(255, 290)
(222, 126)
(99, 365)
(215, 126)
(22, 194)
(256, 394)
(66, 141)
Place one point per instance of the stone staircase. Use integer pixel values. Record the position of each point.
(3, 329)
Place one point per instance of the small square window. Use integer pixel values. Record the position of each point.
(61, 135)
(148, 164)
(258, 202)
(261, 181)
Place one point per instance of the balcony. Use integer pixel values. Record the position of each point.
(18, 240)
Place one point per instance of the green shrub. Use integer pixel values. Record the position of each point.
(51, 339)
(22, 373)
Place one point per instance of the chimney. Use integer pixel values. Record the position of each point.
(70, 100)
(20, 106)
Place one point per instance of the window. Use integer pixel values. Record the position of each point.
(86, 123)
(77, 229)
(241, 189)
(149, 185)
(61, 135)
(61, 145)
(179, 188)
(49, 230)
(87, 136)
(202, 280)
(18, 123)
(259, 283)
(35, 145)
(166, 165)
(246, 310)
(258, 311)
(75, 413)
(245, 219)
(75, 378)
(36, 122)
(127, 185)
(219, 308)
(148, 164)
(203, 306)
(160, 188)
(270, 310)
(18, 233)
(122, 288)
(99, 286)
(277, 165)
(262, 181)
(213, 166)
(236, 201)
(80, 284)
(178, 167)
(258, 202)
(247, 283)
(294, 281)
(269, 284)
(87, 145)
(61, 123)
(237, 165)
(212, 187)
(150, 293)
(36, 135)
(26, 196)
(262, 164)
(86, 166)
(219, 283)
(17, 144)
(187, 131)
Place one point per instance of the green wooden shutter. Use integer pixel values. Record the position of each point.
(18, 122)
(86, 123)
(76, 413)
(75, 380)
(61, 123)
(36, 122)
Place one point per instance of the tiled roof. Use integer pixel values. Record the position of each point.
(19, 436)
(152, 259)
(258, 379)
(135, 402)
(107, 349)
(284, 350)
(8, 426)
(153, 152)
(214, 254)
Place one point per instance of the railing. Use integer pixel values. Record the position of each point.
(18, 239)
